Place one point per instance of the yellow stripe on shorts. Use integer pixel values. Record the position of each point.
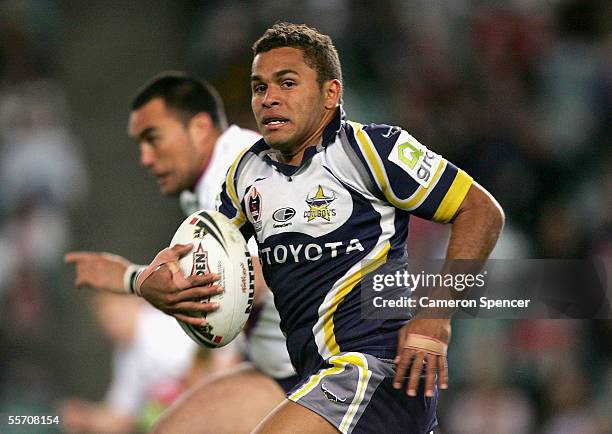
(361, 362)
(340, 362)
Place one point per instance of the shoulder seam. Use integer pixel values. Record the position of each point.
(359, 165)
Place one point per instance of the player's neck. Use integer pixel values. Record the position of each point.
(208, 151)
(296, 155)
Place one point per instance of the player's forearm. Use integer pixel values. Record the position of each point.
(102, 270)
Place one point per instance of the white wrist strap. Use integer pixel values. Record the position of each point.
(129, 278)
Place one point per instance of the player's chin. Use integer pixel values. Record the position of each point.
(279, 142)
(169, 189)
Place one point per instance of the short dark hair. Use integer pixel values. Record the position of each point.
(319, 51)
(184, 94)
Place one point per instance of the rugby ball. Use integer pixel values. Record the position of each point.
(220, 248)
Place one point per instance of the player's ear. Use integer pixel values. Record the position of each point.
(333, 92)
(200, 125)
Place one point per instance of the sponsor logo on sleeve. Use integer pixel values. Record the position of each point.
(415, 159)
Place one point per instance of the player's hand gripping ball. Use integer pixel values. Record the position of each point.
(220, 248)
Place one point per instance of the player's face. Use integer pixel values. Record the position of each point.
(290, 107)
(167, 149)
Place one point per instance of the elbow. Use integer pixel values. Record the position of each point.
(497, 216)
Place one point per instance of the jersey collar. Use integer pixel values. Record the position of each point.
(264, 151)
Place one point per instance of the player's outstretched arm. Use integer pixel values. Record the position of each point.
(163, 284)
(99, 270)
(475, 230)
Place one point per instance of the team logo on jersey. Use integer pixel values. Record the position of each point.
(319, 206)
(415, 159)
(254, 204)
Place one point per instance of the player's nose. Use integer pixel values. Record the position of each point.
(147, 156)
(271, 97)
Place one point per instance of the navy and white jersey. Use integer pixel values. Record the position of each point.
(321, 226)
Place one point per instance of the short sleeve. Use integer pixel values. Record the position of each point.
(410, 176)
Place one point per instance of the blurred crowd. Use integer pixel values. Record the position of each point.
(42, 176)
(517, 92)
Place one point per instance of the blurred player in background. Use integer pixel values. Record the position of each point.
(354, 187)
(180, 125)
(150, 354)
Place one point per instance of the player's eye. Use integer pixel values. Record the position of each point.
(153, 140)
(259, 88)
(288, 84)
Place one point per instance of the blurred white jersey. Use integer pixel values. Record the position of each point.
(265, 345)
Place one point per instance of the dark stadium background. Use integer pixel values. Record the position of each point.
(517, 92)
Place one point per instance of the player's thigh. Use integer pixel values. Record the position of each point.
(290, 417)
(231, 402)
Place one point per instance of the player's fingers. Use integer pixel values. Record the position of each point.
(165, 256)
(442, 372)
(81, 277)
(169, 254)
(405, 356)
(203, 280)
(430, 374)
(415, 373)
(187, 307)
(194, 321)
(181, 249)
(178, 278)
(197, 293)
(400, 345)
